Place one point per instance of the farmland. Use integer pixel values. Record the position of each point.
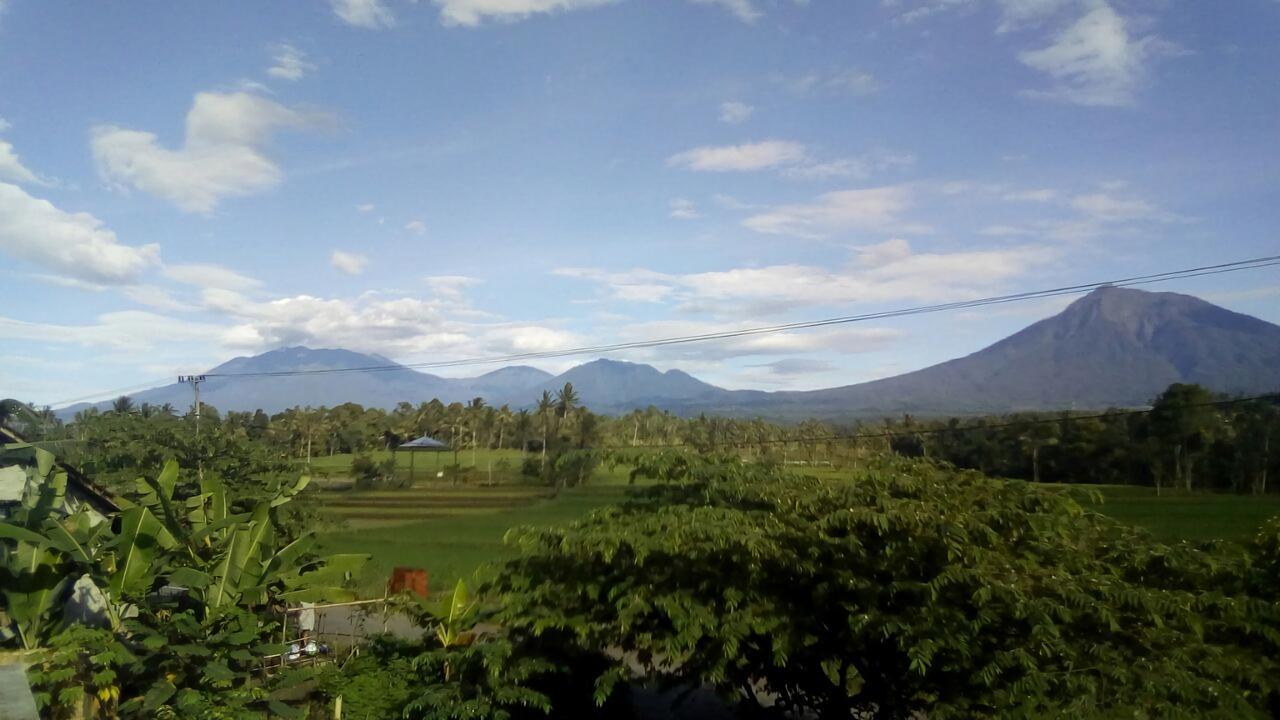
(453, 531)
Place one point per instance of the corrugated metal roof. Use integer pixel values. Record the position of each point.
(424, 443)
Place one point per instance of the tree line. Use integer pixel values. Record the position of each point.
(1190, 438)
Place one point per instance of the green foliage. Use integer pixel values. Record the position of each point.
(369, 473)
(166, 662)
(80, 668)
(194, 664)
(910, 588)
(379, 683)
(186, 587)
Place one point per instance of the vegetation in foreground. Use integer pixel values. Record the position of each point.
(911, 588)
(907, 587)
(878, 581)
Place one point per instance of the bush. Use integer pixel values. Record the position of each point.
(370, 474)
(910, 590)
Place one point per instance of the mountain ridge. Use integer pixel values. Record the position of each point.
(1115, 347)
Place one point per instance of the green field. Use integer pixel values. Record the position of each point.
(456, 544)
(451, 531)
(426, 465)
(1177, 515)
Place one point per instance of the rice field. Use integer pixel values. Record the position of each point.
(453, 542)
(453, 531)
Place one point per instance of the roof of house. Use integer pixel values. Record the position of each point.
(98, 497)
(424, 443)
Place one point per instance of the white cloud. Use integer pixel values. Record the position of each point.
(861, 167)
(868, 209)
(4, 124)
(631, 286)
(156, 297)
(12, 169)
(890, 271)
(1106, 208)
(290, 63)
(744, 10)
(856, 82)
(740, 158)
(682, 209)
(450, 287)
(798, 366)
(843, 340)
(735, 112)
(74, 245)
(1003, 231)
(221, 156)
(1018, 13)
(730, 202)
(470, 13)
(1039, 195)
(417, 227)
(368, 14)
(131, 331)
(366, 208)
(349, 263)
(209, 275)
(402, 327)
(1095, 61)
(927, 9)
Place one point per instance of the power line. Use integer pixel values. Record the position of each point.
(107, 393)
(1222, 268)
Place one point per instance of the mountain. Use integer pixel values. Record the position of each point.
(509, 381)
(273, 393)
(1112, 348)
(614, 386)
(1115, 347)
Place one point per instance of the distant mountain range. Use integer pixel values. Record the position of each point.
(1113, 347)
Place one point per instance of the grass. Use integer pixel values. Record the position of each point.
(1177, 515)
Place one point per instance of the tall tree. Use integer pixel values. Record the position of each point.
(122, 405)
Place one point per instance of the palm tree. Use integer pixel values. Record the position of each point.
(475, 413)
(122, 405)
(566, 400)
(502, 418)
(545, 407)
(523, 423)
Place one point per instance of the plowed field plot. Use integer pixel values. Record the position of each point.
(381, 508)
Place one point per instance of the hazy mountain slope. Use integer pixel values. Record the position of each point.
(612, 386)
(275, 393)
(516, 381)
(1113, 347)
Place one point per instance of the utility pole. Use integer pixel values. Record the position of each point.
(194, 381)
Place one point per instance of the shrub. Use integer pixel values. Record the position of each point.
(910, 589)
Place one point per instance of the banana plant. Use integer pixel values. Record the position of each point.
(455, 616)
(231, 559)
(223, 559)
(44, 553)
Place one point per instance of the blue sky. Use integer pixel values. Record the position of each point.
(181, 183)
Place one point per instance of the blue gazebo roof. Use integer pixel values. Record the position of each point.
(424, 443)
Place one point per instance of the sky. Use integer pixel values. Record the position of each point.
(183, 183)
